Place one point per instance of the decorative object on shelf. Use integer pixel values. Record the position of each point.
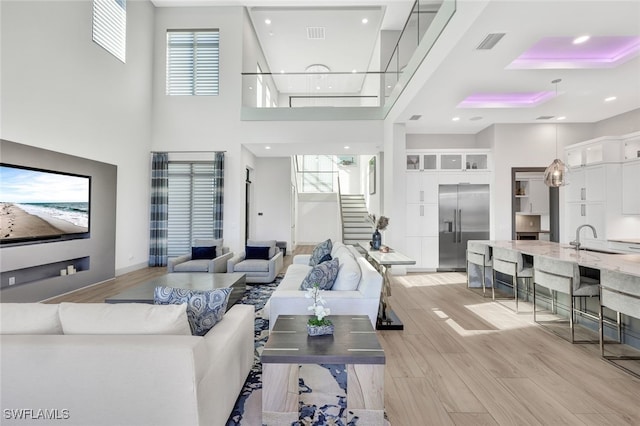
(320, 325)
(554, 175)
(381, 225)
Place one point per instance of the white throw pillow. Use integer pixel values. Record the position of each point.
(29, 318)
(337, 245)
(349, 273)
(124, 318)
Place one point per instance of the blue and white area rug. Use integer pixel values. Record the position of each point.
(323, 388)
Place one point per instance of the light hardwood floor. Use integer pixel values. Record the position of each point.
(464, 360)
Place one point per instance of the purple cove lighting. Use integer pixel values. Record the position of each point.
(506, 100)
(561, 53)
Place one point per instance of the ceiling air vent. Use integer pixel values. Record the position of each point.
(315, 33)
(490, 41)
(545, 117)
(415, 117)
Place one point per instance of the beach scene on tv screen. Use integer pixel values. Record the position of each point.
(40, 204)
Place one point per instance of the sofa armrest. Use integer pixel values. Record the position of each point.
(219, 264)
(275, 264)
(301, 259)
(171, 263)
(231, 263)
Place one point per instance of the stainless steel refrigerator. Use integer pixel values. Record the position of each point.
(463, 216)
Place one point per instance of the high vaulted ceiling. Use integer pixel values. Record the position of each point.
(455, 69)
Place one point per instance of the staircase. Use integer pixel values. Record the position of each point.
(356, 226)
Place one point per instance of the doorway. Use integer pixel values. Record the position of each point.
(247, 201)
(534, 206)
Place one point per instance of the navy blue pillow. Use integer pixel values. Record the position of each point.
(256, 253)
(206, 253)
(325, 258)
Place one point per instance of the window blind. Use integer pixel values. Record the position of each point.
(192, 189)
(193, 62)
(110, 26)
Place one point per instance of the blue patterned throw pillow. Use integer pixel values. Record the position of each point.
(323, 274)
(320, 251)
(204, 308)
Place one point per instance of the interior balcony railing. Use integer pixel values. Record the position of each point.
(320, 94)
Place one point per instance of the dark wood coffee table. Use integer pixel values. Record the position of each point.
(354, 343)
(202, 281)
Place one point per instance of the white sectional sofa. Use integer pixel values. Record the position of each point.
(163, 376)
(356, 290)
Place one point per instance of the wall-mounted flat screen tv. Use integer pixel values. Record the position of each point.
(42, 205)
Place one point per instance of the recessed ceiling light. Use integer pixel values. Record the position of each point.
(267, 147)
(317, 87)
(455, 119)
(353, 71)
(610, 98)
(365, 20)
(346, 147)
(330, 87)
(389, 87)
(250, 87)
(562, 117)
(581, 39)
(267, 21)
(281, 71)
(271, 33)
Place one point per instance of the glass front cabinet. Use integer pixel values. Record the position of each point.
(448, 161)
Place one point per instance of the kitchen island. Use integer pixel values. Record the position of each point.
(624, 263)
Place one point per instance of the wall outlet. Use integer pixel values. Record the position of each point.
(12, 280)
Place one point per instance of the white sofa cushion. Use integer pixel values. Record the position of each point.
(123, 318)
(349, 273)
(29, 318)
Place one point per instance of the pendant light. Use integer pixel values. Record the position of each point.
(555, 174)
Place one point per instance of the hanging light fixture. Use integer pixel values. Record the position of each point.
(555, 174)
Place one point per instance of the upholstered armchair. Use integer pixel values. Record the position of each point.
(206, 256)
(260, 262)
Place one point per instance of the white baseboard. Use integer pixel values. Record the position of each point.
(131, 268)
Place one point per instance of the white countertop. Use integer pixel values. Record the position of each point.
(625, 263)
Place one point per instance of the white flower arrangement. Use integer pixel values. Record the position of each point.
(317, 307)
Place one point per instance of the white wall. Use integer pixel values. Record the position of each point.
(618, 125)
(431, 141)
(525, 145)
(350, 181)
(271, 210)
(63, 92)
(205, 123)
(318, 218)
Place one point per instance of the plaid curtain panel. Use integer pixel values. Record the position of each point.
(159, 209)
(218, 208)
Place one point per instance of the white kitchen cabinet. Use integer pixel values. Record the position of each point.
(586, 184)
(533, 196)
(630, 188)
(422, 220)
(448, 161)
(424, 250)
(422, 187)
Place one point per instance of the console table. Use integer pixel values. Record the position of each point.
(353, 343)
(387, 319)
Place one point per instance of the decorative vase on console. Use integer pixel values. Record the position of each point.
(376, 238)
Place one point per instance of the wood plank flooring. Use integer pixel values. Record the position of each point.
(464, 360)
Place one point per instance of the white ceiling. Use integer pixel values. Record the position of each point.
(455, 69)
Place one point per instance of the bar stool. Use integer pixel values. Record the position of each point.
(479, 253)
(510, 262)
(621, 293)
(564, 277)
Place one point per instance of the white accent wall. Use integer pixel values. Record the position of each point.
(63, 92)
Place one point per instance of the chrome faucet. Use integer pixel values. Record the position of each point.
(576, 242)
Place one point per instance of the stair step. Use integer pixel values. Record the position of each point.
(358, 225)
